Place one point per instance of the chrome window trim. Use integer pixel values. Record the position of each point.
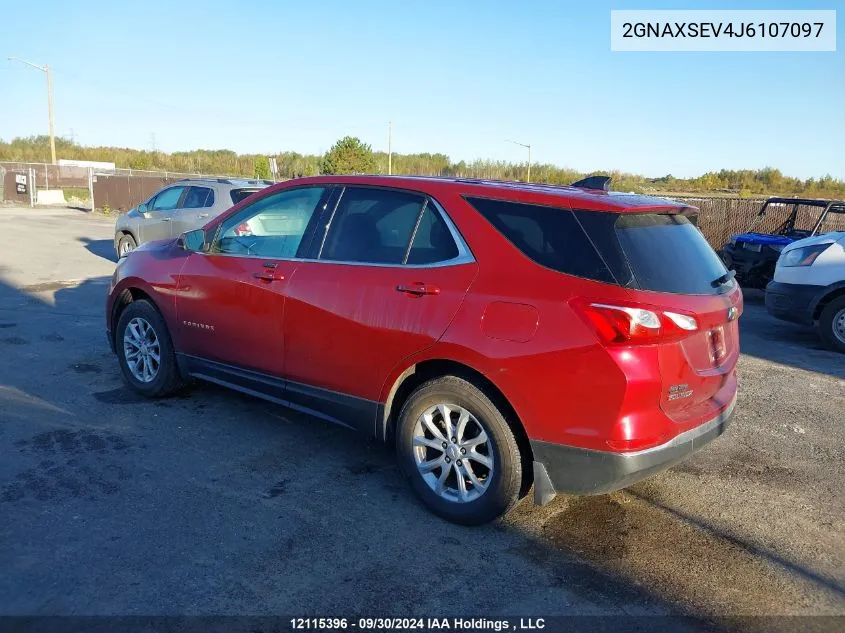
(464, 256)
(463, 248)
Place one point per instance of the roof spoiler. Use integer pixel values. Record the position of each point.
(599, 183)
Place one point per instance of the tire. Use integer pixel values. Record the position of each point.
(161, 378)
(498, 491)
(831, 321)
(125, 245)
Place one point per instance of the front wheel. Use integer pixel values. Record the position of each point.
(458, 452)
(145, 352)
(832, 325)
(125, 245)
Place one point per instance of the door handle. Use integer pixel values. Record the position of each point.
(202, 215)
(269, 276)
(165, 219)
(418, 289)
(270, 272)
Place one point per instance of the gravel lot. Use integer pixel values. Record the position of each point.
(215, 503)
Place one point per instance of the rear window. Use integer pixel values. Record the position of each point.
(240, 194)
(667, 253)
(646, 251)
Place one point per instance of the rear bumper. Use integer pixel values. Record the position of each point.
(569, 469)
(792, 302)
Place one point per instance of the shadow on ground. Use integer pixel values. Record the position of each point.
(247, 507)
(100, 248)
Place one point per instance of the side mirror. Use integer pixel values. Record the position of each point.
(193, 241)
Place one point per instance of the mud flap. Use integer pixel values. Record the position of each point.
(544, 491)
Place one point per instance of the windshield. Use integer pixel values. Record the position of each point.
(783, 218)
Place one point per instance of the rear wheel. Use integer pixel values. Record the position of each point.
(832, 325)
(458, 452)
(125, 245)
(145, 352)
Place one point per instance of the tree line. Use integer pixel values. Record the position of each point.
(350, 155)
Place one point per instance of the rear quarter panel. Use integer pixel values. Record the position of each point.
(561, 382)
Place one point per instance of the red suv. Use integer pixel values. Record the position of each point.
(501, 334)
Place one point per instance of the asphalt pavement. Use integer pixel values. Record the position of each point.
(212, 502)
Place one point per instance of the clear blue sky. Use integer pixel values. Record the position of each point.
(455, 77)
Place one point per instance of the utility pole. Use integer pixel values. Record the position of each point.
(528, 147)
(389, 148)
(45, 69)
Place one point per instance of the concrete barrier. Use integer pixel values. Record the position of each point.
(50, 196)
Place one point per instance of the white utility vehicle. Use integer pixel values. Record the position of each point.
(809, 286)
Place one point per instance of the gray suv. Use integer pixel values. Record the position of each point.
(179, 207)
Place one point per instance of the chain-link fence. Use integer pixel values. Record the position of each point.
(20, 182)
(122, 189)
(72, 181)
(719, 218)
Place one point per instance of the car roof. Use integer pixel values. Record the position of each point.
(536, 193)
(234, 182)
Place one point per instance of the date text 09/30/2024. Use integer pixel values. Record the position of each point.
(421, 624)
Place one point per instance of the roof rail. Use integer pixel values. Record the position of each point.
(598, 183)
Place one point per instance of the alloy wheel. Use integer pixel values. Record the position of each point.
(141, 349)
(453, 453)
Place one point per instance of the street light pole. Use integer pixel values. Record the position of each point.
(45, 69)
(528, 147)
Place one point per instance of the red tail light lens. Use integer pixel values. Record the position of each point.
(635, 324)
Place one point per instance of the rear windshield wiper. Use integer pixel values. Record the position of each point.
(721, 281)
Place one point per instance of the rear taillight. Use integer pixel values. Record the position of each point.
(633, 324)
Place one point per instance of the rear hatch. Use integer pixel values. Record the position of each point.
(662, 290)
(671, 270)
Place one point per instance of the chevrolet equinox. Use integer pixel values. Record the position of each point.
(500, 334)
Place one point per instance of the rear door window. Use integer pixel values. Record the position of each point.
(198, 197)
(372, 225)
(433, 242)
